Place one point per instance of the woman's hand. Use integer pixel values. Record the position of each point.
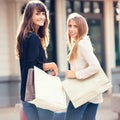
(70, 74)
(52, 67)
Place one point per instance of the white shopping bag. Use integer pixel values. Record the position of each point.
(49, 93)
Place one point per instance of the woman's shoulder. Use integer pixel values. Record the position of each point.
(31, 35)
(32, 38)
(85, 43)
(85, 39)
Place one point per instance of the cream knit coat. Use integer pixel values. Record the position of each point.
(86, 63)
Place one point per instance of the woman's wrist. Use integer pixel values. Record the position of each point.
(70, 74)
(49, 66)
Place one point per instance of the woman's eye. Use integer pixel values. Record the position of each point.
(75, 26)
(43, 13)
(37, 13)
(69, 25)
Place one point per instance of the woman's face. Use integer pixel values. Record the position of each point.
(38, 18)
(72, 29)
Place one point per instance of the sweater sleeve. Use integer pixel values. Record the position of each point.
(93, 66)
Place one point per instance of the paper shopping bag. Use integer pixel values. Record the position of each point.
(49, 92)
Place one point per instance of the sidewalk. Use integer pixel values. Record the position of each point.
(104, 111)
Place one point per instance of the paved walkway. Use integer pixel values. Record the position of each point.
(104, 111)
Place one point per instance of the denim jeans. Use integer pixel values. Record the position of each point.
(59, 116)
(84, 112)
(34, 113)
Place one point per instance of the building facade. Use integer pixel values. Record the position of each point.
(103, 31)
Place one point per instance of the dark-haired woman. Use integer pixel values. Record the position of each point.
(32, 41)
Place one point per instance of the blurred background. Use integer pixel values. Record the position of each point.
(103, 17)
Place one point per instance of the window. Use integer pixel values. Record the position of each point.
(117, 36)
(86, 7)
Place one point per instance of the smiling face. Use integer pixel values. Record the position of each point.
(72, 29)
(77, 27)
(38, 18)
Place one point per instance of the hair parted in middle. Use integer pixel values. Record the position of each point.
(82, 31)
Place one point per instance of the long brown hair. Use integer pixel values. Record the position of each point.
(82, 31)
(27, 25)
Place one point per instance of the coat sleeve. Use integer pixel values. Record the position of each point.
(89, 57)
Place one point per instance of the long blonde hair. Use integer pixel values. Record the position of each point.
(82, 31)
(28, 26)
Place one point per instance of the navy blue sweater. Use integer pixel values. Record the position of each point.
(33, 54)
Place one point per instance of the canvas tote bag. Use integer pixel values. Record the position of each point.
(48, 91)
(82, 91)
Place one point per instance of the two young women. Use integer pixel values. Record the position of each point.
(32, 41)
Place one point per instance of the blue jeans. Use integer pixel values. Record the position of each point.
(34, 113)
(59, 116)
(84, 112)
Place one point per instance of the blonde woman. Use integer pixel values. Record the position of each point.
(83, 63)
